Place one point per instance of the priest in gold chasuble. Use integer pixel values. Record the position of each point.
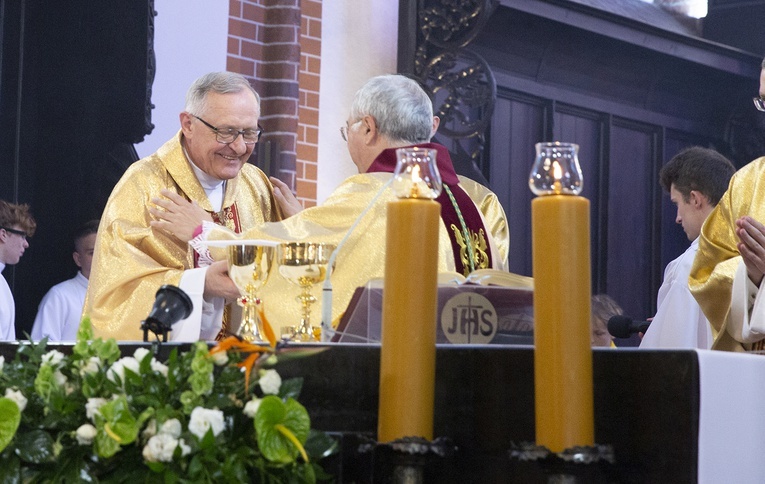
(718, 262)
(389, 112)
(206, 163)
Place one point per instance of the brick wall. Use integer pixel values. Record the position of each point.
(277, 45)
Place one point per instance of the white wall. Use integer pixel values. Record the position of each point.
(357, 43)
(190, 39)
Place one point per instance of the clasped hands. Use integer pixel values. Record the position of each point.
(751, 246)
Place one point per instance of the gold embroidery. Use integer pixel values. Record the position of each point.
(479, 245)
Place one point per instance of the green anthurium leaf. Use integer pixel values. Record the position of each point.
(35, 447)
(10, 416)
(119, 422)
(282, 428)
(106, 446)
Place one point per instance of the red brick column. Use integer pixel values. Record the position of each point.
(278, 47)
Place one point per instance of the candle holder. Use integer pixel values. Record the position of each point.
(556, 170)
(583, 464)
(410, 460)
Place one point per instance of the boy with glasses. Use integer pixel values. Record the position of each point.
(16, 224)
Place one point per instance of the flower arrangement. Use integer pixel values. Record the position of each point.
(96, 416)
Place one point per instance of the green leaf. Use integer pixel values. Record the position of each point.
(116, 426)
(274, 445)
(10, 416)
(10, 469)
(291, 388)
(35, 446)
(319, 445)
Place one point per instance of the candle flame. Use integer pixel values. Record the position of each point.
(557, 175)
(416, 180)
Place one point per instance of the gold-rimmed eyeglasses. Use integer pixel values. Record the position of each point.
(229, 135)
(759, 103)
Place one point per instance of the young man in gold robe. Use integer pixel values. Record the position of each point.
(388, 112)
(206, 163)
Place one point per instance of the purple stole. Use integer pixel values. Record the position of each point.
(478, 236)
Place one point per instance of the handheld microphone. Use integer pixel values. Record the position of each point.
(622, 326)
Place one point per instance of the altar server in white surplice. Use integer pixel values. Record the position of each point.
(695, 178)
(59, 313)
(16, 224)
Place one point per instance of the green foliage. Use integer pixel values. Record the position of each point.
(96, 416)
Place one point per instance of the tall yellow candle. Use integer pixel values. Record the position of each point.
(562, 352)
(408, 354)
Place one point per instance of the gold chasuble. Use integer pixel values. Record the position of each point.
(362, 255)
(132, 260)
(716, 261)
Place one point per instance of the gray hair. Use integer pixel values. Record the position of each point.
(217, 82)
(402, 110)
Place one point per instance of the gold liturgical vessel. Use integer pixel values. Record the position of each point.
(304, 264)
(249, 266)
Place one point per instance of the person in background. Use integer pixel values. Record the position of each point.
(16, 224)
(206, 163)
(696, 179)
(59, 313)
(387, 113)
(603, 308)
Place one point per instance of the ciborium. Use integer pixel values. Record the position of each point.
(305, 265)
(249, 265)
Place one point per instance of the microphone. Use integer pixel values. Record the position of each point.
(622, 326)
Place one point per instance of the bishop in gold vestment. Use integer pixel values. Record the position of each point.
(716, 261)
(132, 260)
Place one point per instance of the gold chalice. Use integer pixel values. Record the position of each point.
(249, 266)
(304, 264)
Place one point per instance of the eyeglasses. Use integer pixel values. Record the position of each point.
(229, 135)
(345, 129)
(20, 233)
(759, 103)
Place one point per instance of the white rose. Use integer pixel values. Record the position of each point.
(150, 430)
(90, 366)
(160, 368)
(17, 397)
(251, 408)
(270, 381)
(220, 358)
(85, 434)
(202, 419)
(59, 378)
(118, 368)
(53, 357)
(160, 448)
(2, 362)
(172, 427)
(93, 407)
(185, 449)
(140, 354)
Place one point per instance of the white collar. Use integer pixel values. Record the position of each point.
(213, 187)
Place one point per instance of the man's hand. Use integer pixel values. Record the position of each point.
(285, 198)
(218, 283)
(751, 246)
(177, 216)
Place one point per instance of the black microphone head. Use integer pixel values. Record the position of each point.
(619, 326)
